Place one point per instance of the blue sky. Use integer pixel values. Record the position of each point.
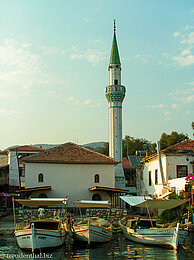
(54, 57)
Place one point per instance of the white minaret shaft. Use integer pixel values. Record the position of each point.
(115, 94)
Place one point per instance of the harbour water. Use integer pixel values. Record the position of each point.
(118, 248)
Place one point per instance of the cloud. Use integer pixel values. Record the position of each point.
(184, 60)
(143, 58)
(70, 98)
(174, 106)
(87, 102)
(91, 55)
(167, 113)
(5, 112)
(187, 99)
(188, 112)
(22, 70)
(191, 83)
(96, 41)
(81, 102)
(188, 39)
(168, 118)
(51, 50)
(176, 34)
(186, 52)
(185, 38)
(184, 95)
(156, 106)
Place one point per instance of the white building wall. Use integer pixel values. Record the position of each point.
(173, 161)
(152, 166)
(169, 164)
(70, 180)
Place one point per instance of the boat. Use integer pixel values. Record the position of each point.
(92, 230)
(43, 233)
(151, 233)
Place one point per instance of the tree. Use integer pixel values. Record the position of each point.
(171, 139)
(131, 145)
(192, 125)
(105, 149)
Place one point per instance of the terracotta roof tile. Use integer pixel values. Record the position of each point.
(26, 148)
(126, 164)
(183, 146)
(70, 153)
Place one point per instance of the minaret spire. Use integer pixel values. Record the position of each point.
(114, 57)
(115, 94)
(114, 26)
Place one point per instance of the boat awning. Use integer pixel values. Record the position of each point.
(148, 202)
(108, 189)
(42, 202)
(35, 189)
(92, 203)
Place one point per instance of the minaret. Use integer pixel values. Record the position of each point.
(115, 94)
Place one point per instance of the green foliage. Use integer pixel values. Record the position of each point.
(105, 149)
(131, 145)
(171, 139)
(168, 216)
(173, 196)
(192, 125)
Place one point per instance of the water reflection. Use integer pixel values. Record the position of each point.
(119, 248)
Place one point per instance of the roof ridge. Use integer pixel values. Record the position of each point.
(174, 145)
(71, 150)
(85, 148)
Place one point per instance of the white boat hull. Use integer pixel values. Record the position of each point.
(42, 239)
(92, 234)
(154, 236)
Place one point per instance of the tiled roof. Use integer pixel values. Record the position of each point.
(26, 148)
(70, 153)
(185, 146)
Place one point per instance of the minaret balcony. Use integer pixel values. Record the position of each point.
(115, 93)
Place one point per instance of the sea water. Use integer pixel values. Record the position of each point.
(117, 248)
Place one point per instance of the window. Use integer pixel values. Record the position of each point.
(22, 171)
(40, 177)
(156, 177)
(182, 171)
(150, 178)
(116, 81)
(96, 178)
(96, 197)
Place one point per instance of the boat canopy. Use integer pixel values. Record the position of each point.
(42, 202)
(92, 203)
(148, 202)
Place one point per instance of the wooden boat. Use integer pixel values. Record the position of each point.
(93, 230)
(43, 233)
(167, 237)
(152, 235)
